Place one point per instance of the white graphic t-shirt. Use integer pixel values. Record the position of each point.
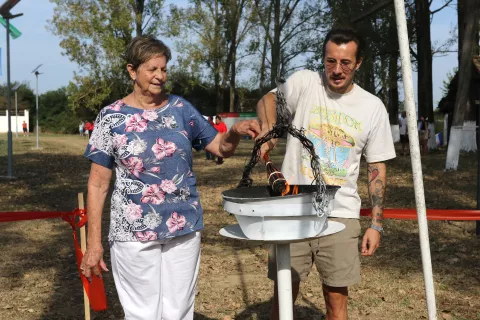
(343, 127)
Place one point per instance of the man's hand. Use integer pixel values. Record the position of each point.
(371, 241)
(267, 146)
(267, 114)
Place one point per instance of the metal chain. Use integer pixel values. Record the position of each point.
(280, 129)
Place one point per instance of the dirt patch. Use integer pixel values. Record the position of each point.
(38, 279)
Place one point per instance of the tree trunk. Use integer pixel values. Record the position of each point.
(266, 27)
(424, 52)
(275, 45)
(263, 74)
(236, 9)
(233, 73)
(216, 62)
(469, 26)
(393, 88)
(139, 7)
(368, 73)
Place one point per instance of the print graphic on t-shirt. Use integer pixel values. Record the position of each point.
(332, 144)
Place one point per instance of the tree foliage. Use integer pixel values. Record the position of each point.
(208, 36)
(55, 115)
(220, 43)
(25, 96)
(94, 35)
(289, 32)
(200, 41)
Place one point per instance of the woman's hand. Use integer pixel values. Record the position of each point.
(224, 144)
(92, 259)
(246, 127)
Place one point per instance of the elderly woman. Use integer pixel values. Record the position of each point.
(156, 216)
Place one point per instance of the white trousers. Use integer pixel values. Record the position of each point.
(156, 280)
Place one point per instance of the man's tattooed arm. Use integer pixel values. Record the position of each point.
(377, 181)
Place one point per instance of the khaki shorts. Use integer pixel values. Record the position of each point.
(336, 257)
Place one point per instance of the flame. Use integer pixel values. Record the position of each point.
(295, 190)
(287, 189)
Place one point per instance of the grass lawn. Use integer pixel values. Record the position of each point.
(38, 277)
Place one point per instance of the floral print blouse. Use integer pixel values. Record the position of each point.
(155, 194)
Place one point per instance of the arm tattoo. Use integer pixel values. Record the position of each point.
(376, 190)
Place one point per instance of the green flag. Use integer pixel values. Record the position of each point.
(14, 32)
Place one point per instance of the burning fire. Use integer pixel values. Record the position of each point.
(295, 190)
(276, 179)
(287, 189)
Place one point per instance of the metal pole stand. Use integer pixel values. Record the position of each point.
(284, 280)
(284, 268)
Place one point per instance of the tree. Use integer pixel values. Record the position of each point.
(291, 29)
(259, 35)
(200, 40)
(95, 35)
(424, 59)
(56, 116)
(393, 105)
(25, 95)
(469, 12)
(372, 20)
(211, 33)
(191, 87)
(238, 21)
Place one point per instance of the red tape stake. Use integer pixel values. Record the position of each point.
(432, 214)
(95, 290)
(19, 216)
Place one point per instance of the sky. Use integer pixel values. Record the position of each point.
(37, 46)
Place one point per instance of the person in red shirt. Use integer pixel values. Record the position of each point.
(25, 128)
(222, 128)
(88, 128)
(209, 155)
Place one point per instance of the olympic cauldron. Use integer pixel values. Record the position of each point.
(272, 213)
(262, 214)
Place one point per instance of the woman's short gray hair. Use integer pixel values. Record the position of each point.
(143, 48)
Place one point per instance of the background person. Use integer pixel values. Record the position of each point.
(25, 129)
(222, 128)
(88, 129)
(209, 155)
(404, 134)
(344, 122)
(80, 128)
(156, 216)
(423, 135)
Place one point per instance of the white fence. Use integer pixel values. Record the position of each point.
(16, 120)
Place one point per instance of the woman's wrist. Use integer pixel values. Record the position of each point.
(94, 239)
(234, 130)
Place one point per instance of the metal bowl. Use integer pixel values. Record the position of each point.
(265, 216)
(265, 193)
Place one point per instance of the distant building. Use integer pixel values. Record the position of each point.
(16, 120)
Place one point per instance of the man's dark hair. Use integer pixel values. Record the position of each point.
(343, 35)
(218, 117)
